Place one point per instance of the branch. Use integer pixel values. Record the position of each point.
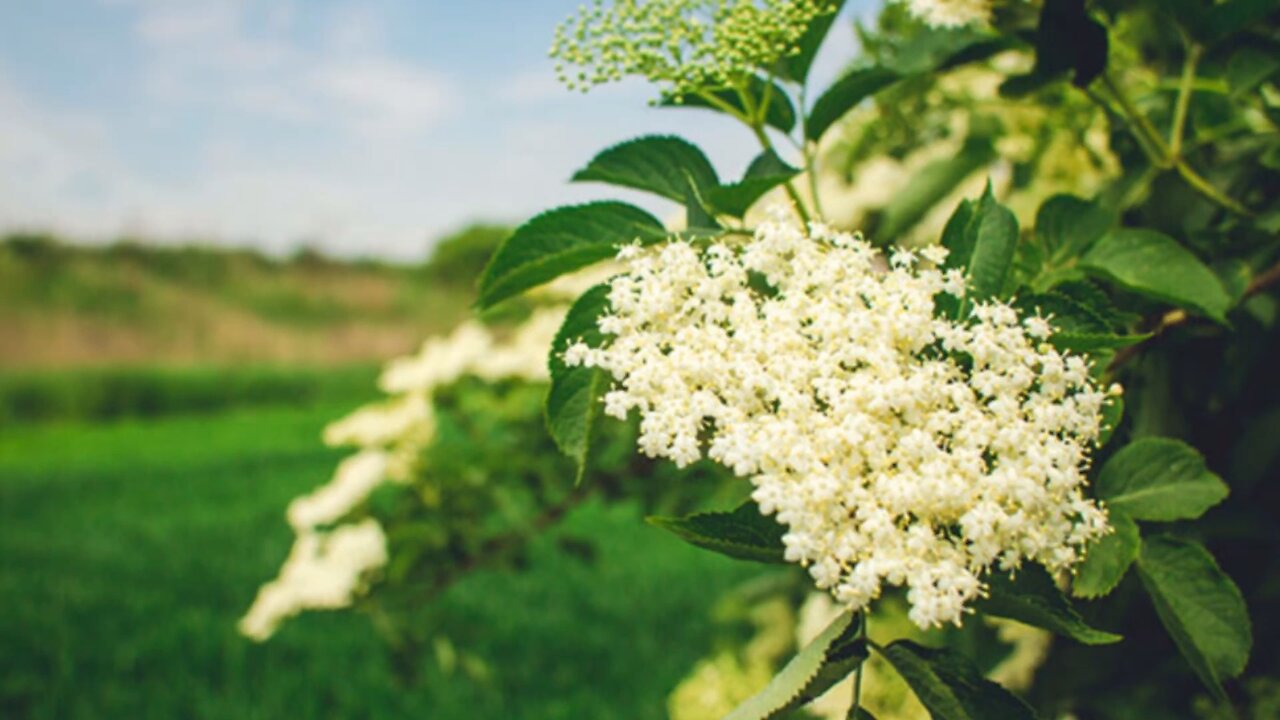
(1269, 278)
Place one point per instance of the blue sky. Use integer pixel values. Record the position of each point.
(363, 128)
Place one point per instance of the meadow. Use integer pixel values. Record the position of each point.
(149, 444)
(130, 548)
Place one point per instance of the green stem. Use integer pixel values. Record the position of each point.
(807, 149)
(1162, 156)
(766, 144)
(857, 674)
(1184, 101)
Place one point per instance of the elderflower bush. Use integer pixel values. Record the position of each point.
(987, 343)
(332, 560)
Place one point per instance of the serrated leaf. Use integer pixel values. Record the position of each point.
(950, 687)
(1200, 606)
(661, 164)
(766, 172)
(981, 237)
(560, 241)
(835, 653)
(574, 398)
(1159, 479)
(745, 533)
(1153, 264)
(1032, 598)
(795, 67)
(781, 114)
(1108, 558)
(1067, 226)
(844, 94)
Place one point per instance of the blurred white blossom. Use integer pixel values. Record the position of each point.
(325, 568)
(323, 571)
(951, 13)
(898, 447)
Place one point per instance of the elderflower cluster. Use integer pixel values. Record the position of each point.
(328, 565)
(898, 447)
(685, 46)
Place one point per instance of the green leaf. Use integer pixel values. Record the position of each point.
(560, 241)
(1033, 599)
(1108, 558)
(981, 236)
(745, 533)
(661, 164)
(1067, 226)
(1082, 323)
(1159, 479)
(1200, 607)
(950, 687)
(929, 185)
(844, 94)
(574, 398)
(822, 663)
(766, 172)
(1153, 264)
(1251, 66)
(796, 67)
(781, 113)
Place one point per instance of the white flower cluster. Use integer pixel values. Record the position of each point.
(326, 567)
(898, 447)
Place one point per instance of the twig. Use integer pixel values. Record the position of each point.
(1175, 318)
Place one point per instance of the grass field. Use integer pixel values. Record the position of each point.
(129, 549)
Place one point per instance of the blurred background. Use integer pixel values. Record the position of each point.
(217, 220)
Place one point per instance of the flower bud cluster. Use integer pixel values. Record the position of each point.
(898, 447)
(685, 46)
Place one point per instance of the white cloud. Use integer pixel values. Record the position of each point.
(381, 96)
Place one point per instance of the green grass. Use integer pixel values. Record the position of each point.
(128, 551)
(117, 392)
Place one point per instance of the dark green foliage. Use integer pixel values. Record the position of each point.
(1159, 479)
(845, 94)
(765, 172)
(745, 533)
(664, 165)
(574, 399)
(1199, 605)
(950, 687)
(1029, 596)
(560, 241)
